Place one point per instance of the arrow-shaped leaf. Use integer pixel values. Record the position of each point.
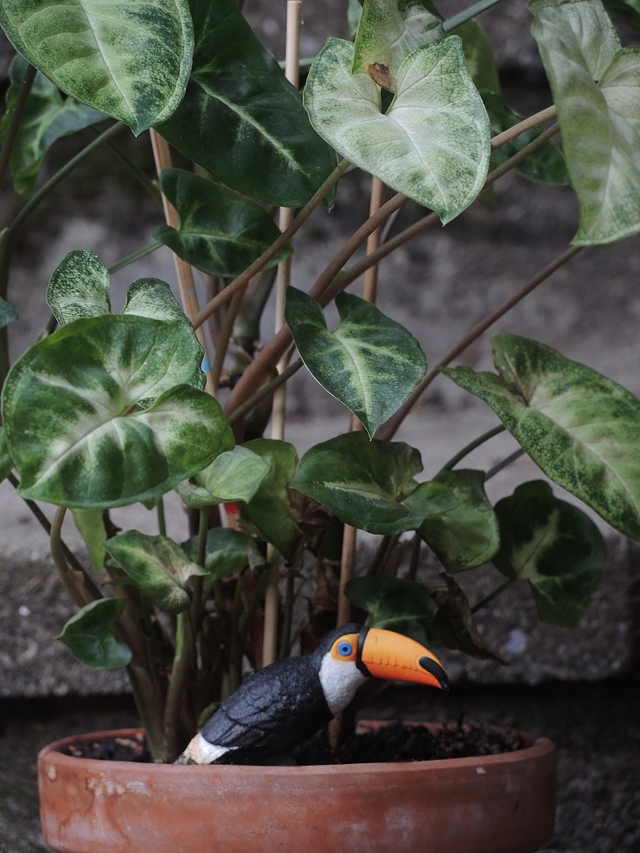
(582, 429)
(227, 551)
(79, 287)
(235, 475)
(370, 363)
(90, 636)
(128, 58)
(220, 232)
(552, 545)
(432, 144)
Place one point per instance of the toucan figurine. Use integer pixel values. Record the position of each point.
(286, 703)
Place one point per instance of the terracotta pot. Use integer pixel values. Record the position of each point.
(495, 804)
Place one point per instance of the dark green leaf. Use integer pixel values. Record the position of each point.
(369, 484)
(6, 462)
(466, 536)
(79, 287)
(157, 565)
(370, 363)
(129, 58)
(455, 624)
(270, 510)
(582, 429)
(241, 119)
(220, 232)
(90, 636)
(47, 117)
(228, 551)
(552, 545)
(233, 476)
(397, 604)
(545, 166)
(478, 53)
(627, 10)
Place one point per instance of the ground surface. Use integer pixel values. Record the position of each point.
(596, 728)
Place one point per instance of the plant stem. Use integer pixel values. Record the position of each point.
(274, 248)
(80, 588)
(177, 682)
(467, 14)
(388, 430)
(493, 594)
(329, 283)
(287, 618)
(14, 124)
(162, 524)
(224, 337)
(471, 446)
(416, 546)
(150, 186)
(526, 124)
(496, 468)
(53, 181)
(267, 389)
(135, 256)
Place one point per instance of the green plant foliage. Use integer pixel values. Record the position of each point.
(432, 144)
(369, 484)
(370, 363)
(580, 428)
(596, 88)
(455, 624)
(228, 551)
(132, 63)
(235, 475)
(467, 535)
(385, 38)
(6, 462)
(79, 287)
(72, 424)
(241, 119)
(552, 545)
(270, 510)
(7, 313)
(397, 604)
(478, 54)
(90, 523)
(90, 636)
(152, 297)
(627, 10)
(545, 166)
(220, 232)
(47, 118)
(158, 566)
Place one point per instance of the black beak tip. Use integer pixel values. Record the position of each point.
(436, 670)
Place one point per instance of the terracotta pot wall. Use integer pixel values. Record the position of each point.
(496, 804)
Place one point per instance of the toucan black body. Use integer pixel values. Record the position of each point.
(287, 702)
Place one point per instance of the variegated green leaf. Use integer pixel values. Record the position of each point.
(228, 551)
(90, 523)
(79, 287)
(90, 636)
(6, 462)
(467, 535)
(73, 428)
(432, 144)
(241, 119)
(128, 58)
(582, 429)
(596, 88)
(47, 118)
(152, 297)
(552, 545)
(157, 565)
(220, 232)
(370, 363)
(385, 38)
(7, 313)
(369, 484)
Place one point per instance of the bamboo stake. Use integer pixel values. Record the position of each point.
(272, 593)
(184, 273)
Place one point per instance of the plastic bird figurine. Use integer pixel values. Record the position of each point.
(286, 703)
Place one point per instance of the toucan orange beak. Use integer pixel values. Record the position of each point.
(385, 654)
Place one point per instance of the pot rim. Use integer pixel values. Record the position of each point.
(540, 746)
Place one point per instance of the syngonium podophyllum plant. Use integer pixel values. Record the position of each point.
(107, 410)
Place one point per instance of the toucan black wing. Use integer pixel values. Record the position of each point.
(272, 711)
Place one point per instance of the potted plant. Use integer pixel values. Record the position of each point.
(108, 410)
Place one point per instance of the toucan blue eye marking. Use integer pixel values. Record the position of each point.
(345, 649)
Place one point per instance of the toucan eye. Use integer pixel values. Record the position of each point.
(345, 649)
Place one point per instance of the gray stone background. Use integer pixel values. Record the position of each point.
(579, 686)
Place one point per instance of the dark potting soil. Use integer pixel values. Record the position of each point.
(396, 742)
